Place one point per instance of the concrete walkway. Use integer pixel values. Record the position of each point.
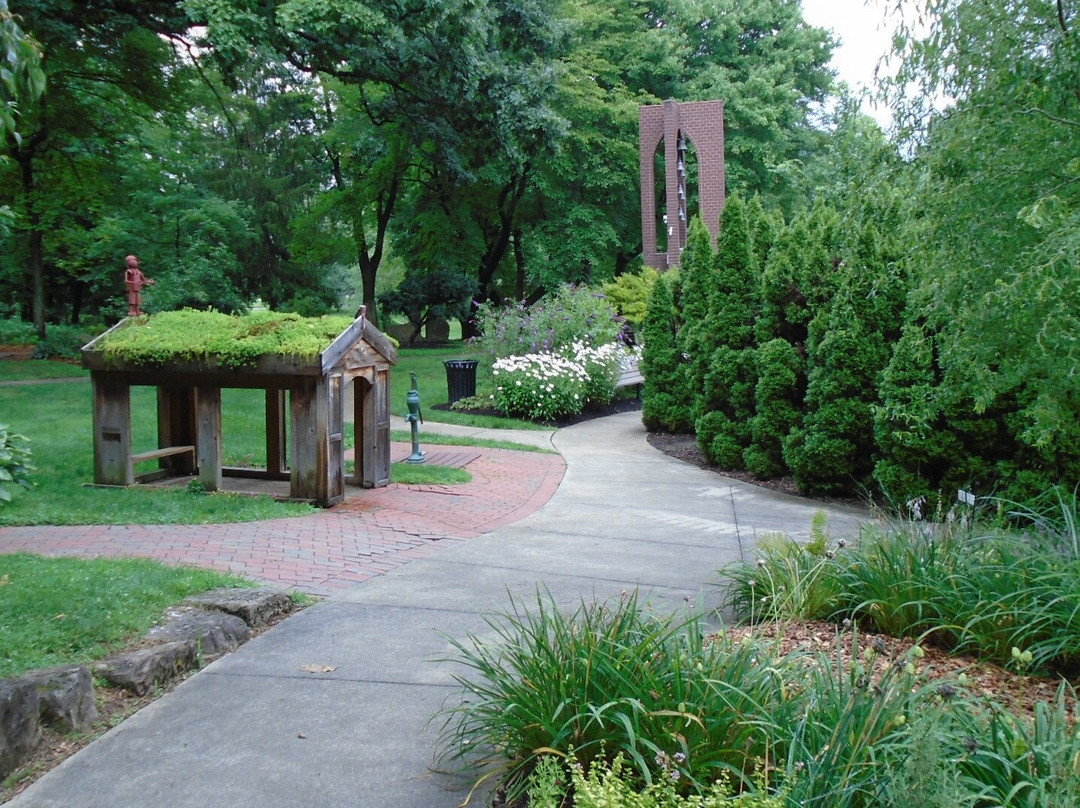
(253, 729)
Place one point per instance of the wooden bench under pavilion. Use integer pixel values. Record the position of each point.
(189, 414)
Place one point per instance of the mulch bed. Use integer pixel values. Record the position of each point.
(684, 447)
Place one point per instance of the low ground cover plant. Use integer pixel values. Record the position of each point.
(236, 340)
(620, 706)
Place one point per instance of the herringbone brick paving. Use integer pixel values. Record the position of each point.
(372, 532)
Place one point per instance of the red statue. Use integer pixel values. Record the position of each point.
(134, 280)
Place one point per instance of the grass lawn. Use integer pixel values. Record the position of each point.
(427, 364)
(58, 611)
(28, 369)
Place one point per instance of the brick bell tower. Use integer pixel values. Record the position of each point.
(677, 126)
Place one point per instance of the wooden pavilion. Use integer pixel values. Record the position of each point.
(189, 414)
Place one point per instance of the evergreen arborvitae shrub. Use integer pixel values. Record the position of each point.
(914, 442)
(778, 401)
(665, 401)
(784, 288)
(833, 449)
(765, 228)
(695, 340)
(727, 403)
(833, 452)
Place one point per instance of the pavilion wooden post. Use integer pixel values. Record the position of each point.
(208, 436)
(275, 432)
(112, 432)
(335, 458)
(310, 441)
(372, 423)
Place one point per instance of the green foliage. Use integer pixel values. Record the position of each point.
(21, 78)
(234, 340)
(544, 387)
(610, 786)
(778, 401)
(14, 331)
(611, 677)
(789, 581)
(994, 241)
(435, 294)
(1024, 762)
(983, 594)
(832, 452)
(631, 709)
(696, 341)
(62, 342)
(541, 387)
(629, 294)
(15, 465)
(733, 300)
(725, 403)
(59, 611)
(572, 314)
(666, 401)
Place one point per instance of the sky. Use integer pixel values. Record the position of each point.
(864, 36)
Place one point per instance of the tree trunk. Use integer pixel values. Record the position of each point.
(36, 238)
(519, 259)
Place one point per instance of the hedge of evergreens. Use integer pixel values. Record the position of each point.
(801, 349)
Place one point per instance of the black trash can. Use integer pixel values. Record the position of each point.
(460, 378)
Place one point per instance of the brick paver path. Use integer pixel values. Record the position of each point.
(370, 533)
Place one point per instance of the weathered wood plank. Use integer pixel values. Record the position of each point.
(208, 436)
(164, 451)
(275, 432)
(112, 432)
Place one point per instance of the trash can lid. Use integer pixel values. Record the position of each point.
(462, 364)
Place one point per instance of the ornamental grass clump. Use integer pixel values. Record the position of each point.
(650, 710)
(1008, 596)
(608, 678)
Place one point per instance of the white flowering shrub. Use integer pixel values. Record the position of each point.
(602, 367)
(539, 386)
(544, 386)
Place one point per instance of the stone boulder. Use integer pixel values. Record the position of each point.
(20, 726)
(256, 607)
(404, 333)
(140, 671)
(437, 330)
(66, 697)
(214, 633)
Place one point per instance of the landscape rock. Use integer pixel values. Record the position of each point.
(256, 607)
(215, 633)
(437, 330)
(20, 726)
(140, 671)
(66, 697)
